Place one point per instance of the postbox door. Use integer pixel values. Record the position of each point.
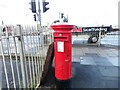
(63, 49)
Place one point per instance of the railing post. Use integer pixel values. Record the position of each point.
(22, 63)
(99, 38)
(4, 63)
(0, 63)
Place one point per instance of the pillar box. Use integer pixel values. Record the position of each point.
(63, 51)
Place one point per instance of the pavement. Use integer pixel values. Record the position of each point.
(92, 67)
(95, 67)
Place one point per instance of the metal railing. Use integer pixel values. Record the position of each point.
(22, 55)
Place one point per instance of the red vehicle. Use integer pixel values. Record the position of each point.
(79, 30)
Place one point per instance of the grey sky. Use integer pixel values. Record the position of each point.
(80, 12)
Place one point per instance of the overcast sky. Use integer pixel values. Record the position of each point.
(80, 12)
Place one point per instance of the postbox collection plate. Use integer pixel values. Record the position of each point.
(60, 46)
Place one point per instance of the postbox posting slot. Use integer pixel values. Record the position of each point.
(61, 38)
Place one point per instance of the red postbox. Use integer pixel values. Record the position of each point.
(63, 51)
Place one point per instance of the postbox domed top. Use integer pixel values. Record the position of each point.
(62, 27)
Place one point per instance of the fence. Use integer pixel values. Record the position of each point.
(22, 55)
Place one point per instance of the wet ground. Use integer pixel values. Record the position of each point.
(92, 67)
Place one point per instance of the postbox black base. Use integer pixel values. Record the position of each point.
(63, 84)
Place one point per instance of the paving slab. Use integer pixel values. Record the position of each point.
(102, 61)
(87, 61)
(108, 71)
(113, 60)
